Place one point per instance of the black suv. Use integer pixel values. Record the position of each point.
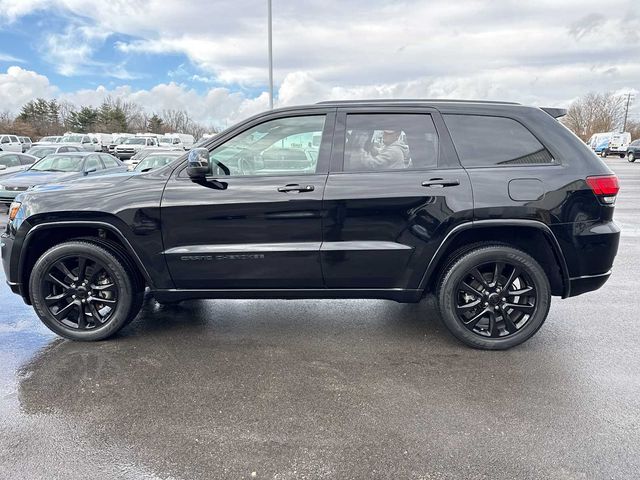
(494, 207)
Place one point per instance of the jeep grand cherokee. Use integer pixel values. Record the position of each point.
(494, 207)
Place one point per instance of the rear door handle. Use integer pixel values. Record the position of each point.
(296, 188)
(440, 183)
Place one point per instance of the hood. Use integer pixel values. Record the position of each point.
(89, 182)
(11, 171)
(32, 177)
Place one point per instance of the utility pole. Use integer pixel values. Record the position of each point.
(626, 110)
(271, 59)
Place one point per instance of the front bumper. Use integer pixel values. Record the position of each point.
(7, 196)
(6, 247)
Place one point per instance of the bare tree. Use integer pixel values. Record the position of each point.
(594, 113)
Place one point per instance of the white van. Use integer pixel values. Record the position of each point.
(177, 140)
(619, 143)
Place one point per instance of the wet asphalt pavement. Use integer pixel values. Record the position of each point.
(329, 389)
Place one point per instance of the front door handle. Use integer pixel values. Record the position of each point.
(440, 183)
(296, 188)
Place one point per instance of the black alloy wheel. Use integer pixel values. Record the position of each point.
(493, 296)
(81, 292)
(495, 299)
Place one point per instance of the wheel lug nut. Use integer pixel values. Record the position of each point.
(496, 307)
(504, 299)
(73, 296)
(486, 303)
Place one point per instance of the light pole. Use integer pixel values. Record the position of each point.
(626, 110)
(270, 58)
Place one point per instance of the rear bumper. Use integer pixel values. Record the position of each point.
(587, 283)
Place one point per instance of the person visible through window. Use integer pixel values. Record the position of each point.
(393, 154)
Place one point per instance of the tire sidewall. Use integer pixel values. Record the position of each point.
(631, 157)
(93, 252)
(461, 267)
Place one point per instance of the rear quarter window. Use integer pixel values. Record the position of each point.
(486, 141)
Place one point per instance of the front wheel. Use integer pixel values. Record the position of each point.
(631, 157)
(82, 291)
(494, 297)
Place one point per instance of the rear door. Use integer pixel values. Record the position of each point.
(395, 189)
(255, 222)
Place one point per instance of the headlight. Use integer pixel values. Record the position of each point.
(1, 187)
(13, 210)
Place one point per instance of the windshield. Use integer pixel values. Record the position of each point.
(154, 161)
(72, 139)
(135, 141)
(59, 163)
(41, 152)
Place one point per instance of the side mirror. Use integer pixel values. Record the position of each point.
(90, 170)
(3, 167)
(198, 163)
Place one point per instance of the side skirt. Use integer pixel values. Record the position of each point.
(397, 294)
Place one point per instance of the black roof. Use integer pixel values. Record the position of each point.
(414, 101)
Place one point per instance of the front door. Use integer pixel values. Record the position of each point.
(394, 190)
(255, 222)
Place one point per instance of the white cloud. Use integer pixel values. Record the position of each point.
(18, 86)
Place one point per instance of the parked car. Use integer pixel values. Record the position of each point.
(26, 143)
(10, 143)
(118, 139)
(47, 140)
(81, 140)
(155, 160)
(618, 144)
(133, 145)
(142, 154)
(41, 151)
(633, 150)
(101, 141)
(11, 163)
(50, 139)
(176, 140)
(59, 167)
(494, 207)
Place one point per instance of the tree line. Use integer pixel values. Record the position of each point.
(41, 117)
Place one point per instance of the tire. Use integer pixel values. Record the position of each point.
(622, 155)
(631, 157)
(137, 280)
(88, 306)
(603, 153)
(474, 306)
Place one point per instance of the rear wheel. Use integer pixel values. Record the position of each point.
(494, 297)
(631, 157)
(603, 153)
(82, 291)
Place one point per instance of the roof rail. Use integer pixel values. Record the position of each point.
(400, 100)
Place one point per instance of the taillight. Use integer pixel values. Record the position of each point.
(606, 187)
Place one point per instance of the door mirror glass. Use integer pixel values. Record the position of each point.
(198, 163)
(90, 170)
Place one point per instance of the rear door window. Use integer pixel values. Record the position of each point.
(25, 160)
(109, 162)
(377, 142)
(486, 141)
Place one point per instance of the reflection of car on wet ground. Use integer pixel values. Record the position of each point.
(142, 154)
(493, 207)
(60, 167)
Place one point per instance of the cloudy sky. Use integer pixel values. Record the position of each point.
(210, 57)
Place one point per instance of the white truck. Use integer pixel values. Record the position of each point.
(101, 141)
(10, 143)
(81, 140)
(177, 140)
(133, 145)
(606, 143)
